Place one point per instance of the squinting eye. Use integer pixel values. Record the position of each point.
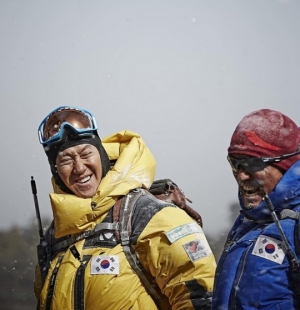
(66, 161)
(85, 155)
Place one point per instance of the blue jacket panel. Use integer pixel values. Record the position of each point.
(253, 270)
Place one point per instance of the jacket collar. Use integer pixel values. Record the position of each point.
(134, 168)
(285, 195)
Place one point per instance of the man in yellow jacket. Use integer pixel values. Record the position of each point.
(82, 263)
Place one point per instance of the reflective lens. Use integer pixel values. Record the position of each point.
(80, 122)
(253, 164)
(250, 164)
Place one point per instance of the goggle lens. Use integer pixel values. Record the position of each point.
(53, 127)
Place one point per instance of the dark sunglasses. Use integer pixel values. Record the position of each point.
(253, 164)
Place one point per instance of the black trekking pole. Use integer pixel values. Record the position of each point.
(42, 246)
(37, 209)
(294, 262)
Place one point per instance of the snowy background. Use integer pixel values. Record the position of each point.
(182, 74)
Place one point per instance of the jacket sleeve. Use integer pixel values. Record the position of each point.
(174, 249)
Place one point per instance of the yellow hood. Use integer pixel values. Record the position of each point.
(134, 168)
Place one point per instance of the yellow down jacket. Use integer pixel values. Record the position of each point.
(92, 272)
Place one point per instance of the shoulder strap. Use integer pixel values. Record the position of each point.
(297, 239)
(294, 267)
(295, 215)
(126, 210)
(48, 247)
(98, 228)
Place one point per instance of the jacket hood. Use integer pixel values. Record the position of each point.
(285, 195)
(134, 168)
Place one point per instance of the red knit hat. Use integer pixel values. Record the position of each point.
(266, 133)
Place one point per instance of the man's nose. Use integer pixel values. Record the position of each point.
(78, 166)
(242, 174)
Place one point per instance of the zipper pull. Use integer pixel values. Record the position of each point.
(75, 252)
(228, 245)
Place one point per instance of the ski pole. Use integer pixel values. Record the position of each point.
(289, 252)
(294, 270)
(37, 210)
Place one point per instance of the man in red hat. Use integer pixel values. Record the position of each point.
(259, 267)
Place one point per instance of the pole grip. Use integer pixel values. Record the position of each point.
(37, 209)
(33, 186)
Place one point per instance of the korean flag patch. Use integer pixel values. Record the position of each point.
(105, 264)
(196, 249)
(269, 248)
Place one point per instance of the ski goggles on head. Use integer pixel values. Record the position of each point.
(64, 120)
(253, 164)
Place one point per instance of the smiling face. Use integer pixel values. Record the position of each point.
(80, 169)
(254, 185)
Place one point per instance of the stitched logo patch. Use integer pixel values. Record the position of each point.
(182, 231)
(269, 248)
(196, 249)
(105, 264)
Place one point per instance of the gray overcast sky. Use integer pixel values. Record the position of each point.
(182, 74)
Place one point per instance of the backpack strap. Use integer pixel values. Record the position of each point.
(294, 271)
(126, 210)
(297, 237)
(295, 215)
(50, 246)
(98, 228)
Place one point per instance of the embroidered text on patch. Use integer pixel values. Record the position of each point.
(196, 249)
(182, 231)
(105, 264)
(269, 248)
